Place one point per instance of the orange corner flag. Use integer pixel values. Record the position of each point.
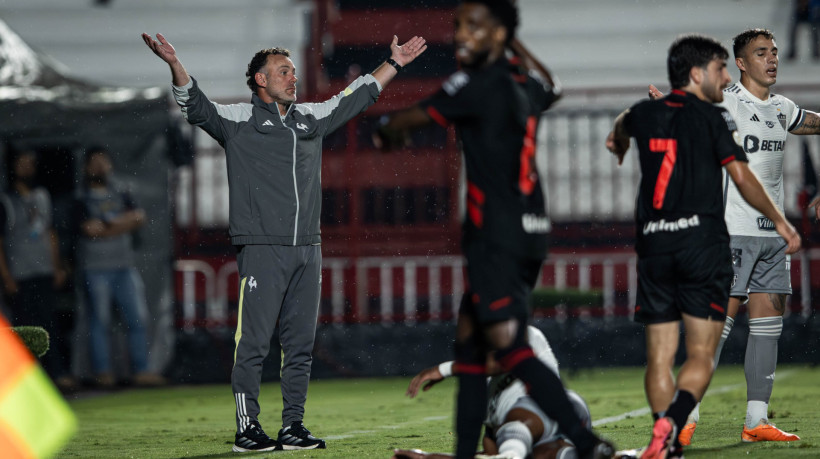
(35, 420)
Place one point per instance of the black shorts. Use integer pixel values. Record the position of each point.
(499, 284)
(693, 281)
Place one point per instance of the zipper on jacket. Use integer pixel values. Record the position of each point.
(295, 190)
(295, 184)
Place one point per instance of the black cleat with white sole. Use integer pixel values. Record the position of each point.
(296, 436)
(255, 439)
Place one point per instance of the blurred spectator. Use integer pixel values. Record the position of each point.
(804, 12)
(107, 217)
(30, 264)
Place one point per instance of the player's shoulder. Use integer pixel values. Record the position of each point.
(733, 90)
(734, 97)
(645, 105)
(781, 101)
(779, 98)
(718, 115)
(456, 82)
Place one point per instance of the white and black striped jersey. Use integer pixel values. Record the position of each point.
(763, 127)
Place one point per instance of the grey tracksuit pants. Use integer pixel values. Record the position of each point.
(276, 283)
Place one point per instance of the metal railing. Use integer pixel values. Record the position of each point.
(414, 289)
(582, 180)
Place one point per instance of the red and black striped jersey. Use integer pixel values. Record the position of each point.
(496, 113)
(683, 144)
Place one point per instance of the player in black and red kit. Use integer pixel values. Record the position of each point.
(495, 104)
(684, 261)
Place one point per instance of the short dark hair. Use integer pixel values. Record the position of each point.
(744, 38)
(259, 60)
(504, 12)
(690, 51)
(92, 150)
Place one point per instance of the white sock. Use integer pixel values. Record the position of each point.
(694, 416)
(514, 439)
(513, 448)
(757, 412)
(567, 452)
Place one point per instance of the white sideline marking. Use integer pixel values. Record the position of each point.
(645, 410)
(354, 433)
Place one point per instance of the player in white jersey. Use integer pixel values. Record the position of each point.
(761, 265)
(515, 426)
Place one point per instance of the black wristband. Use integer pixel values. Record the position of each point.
(394, 64)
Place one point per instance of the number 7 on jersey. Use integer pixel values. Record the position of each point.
(669, 147)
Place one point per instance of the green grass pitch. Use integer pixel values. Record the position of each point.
(367, 418)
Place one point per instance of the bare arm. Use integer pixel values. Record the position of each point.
(9, 284)
(408, 118)
(403, 55)
(753, 192)
(531, 62)
(618, 139)
(165, 51)
(124, 223)
(393, 133)
(809, 126)
(59, 273)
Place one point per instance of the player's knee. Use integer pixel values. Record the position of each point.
(701, 356)
(514, 439)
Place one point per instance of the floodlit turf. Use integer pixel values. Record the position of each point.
(367, 418)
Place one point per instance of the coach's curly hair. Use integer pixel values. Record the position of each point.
(744, 38)
(504, 11)
(259, 60)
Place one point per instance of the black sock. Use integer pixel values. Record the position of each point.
(550, 396)
(658, 415)
(683, 404)
(471, 406)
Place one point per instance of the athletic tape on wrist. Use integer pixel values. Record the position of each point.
(446, 369)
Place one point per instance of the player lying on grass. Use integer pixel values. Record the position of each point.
(515, 427)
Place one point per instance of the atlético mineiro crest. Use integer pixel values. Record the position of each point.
(782, 119)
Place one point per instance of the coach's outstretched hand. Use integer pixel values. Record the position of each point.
(407, 52)
(163, 48)
(165, 51)
(654, 93)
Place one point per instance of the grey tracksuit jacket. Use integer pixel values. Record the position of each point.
(274, 162)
